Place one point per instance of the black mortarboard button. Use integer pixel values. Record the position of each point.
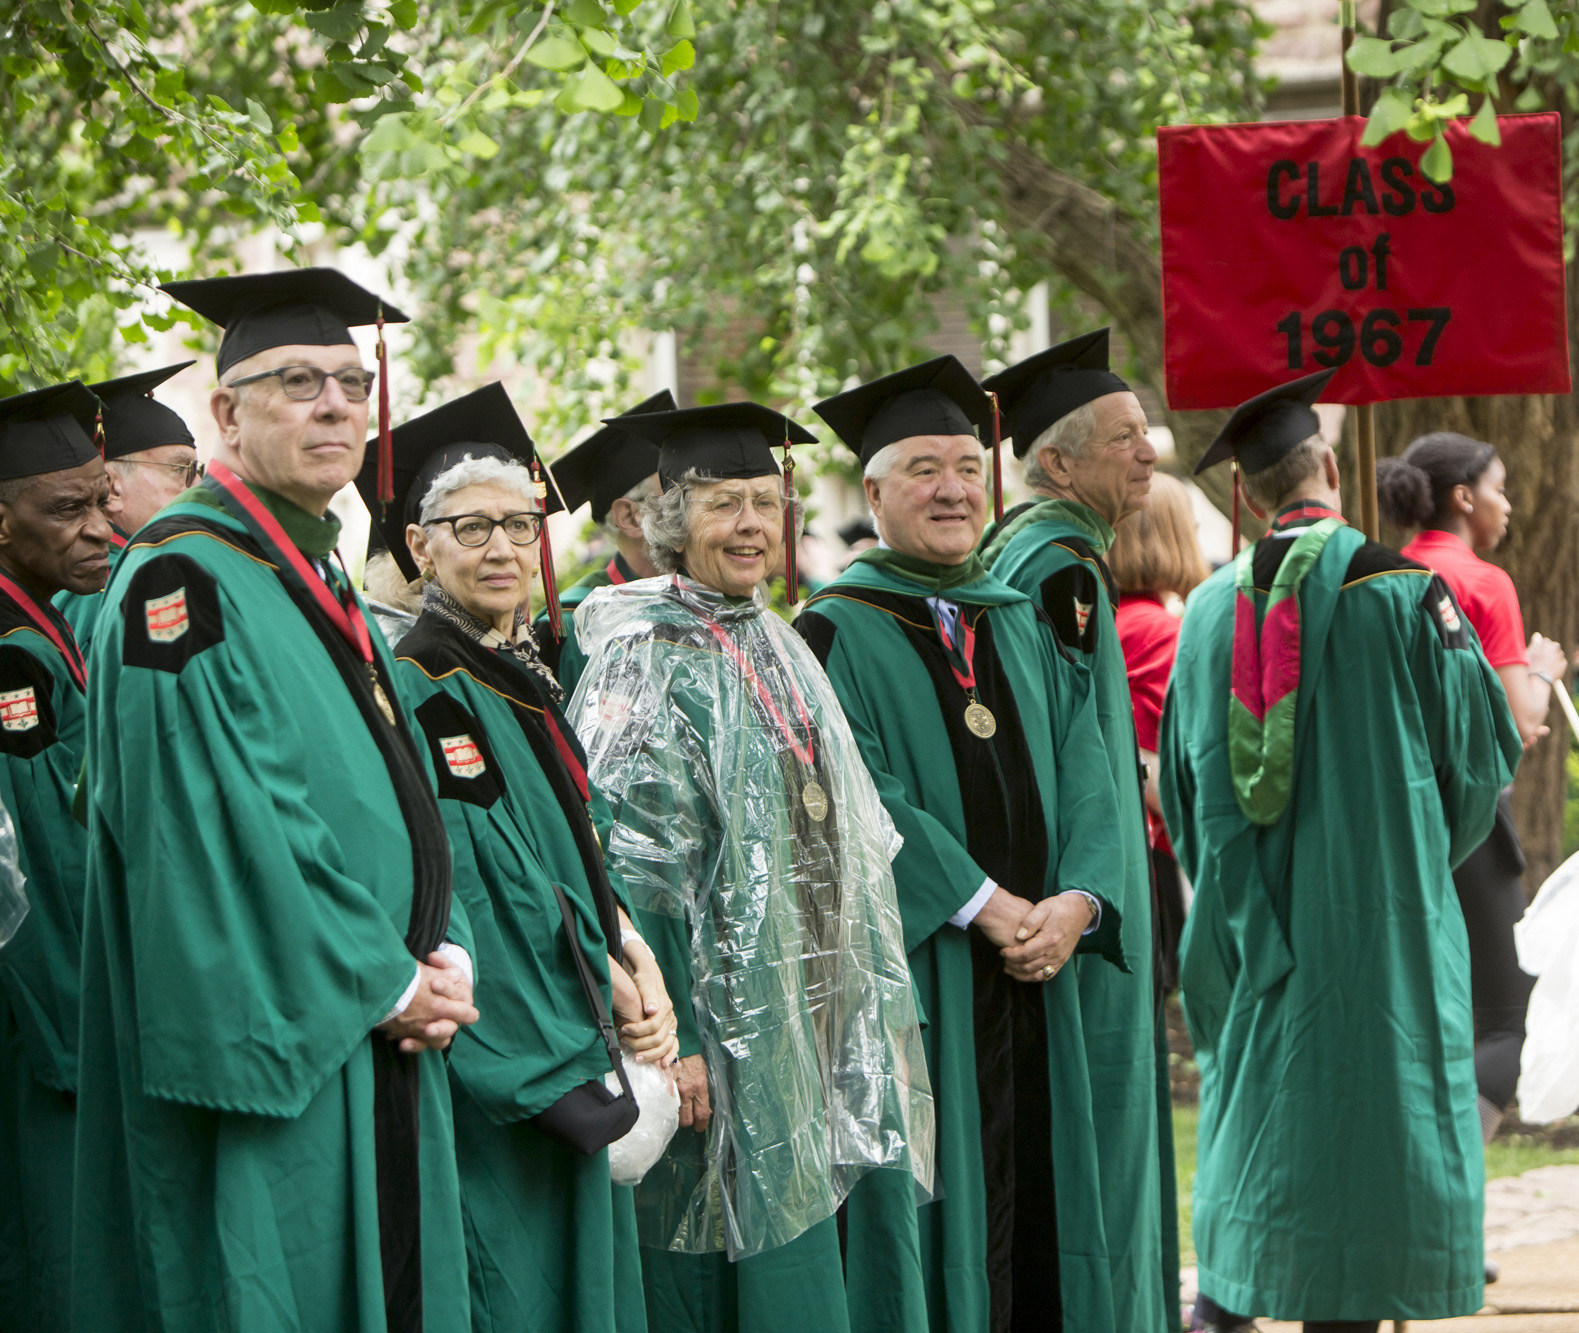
(938, 397)
(313, 307)
(611, 461)
(1046, 387)
(481, 424)
(721, 442)
(1266, 427)
(132, 420)
(47, 430)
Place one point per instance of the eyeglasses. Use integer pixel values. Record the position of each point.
(768, 505)
(477, 529)
(190, 472)
(304, 383)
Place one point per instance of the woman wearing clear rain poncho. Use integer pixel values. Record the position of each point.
(756, 852)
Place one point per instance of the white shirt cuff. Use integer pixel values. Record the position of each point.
(406, 997)
(1096, 910)
(978, 900)
(457, 955)
(462, 960)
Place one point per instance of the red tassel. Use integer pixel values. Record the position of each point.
(791, 573)
(98, 428)
(545, 560)
(1234, 508)
(386, 447)
(997, 460)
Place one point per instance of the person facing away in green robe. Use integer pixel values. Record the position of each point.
(150, 456)
(981, 735)
(1082, 434)
(616, 473)
(1332, 745)
(54, 536)
(757, 854)
(272, 963)
(551, 1241)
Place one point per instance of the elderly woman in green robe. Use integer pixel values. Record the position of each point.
(551, 1242)
(757, 853)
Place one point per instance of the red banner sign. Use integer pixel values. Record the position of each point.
(1288, 248)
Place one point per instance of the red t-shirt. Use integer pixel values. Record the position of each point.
(1485, 594)
(1148, 633)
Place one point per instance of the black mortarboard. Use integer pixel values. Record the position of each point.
(481, 424)
(314, 307)
(938, 397)
(609, 462)
(858, 530)
(48, 430)
(725, 440)
(1266, 427)
(132, 420)
(1050, 385)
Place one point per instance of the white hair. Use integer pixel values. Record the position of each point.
(666, 523)
(645, 490)
(474, 471)
(882, 462)
(1070, 435)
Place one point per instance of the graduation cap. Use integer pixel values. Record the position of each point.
(48, 430)
(609, 462)
(132, 420)
(312, 307)
(1046, 387)
(858, 530)
(1266, 427)
(727, 441)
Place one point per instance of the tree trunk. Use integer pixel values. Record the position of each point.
(1088, 243)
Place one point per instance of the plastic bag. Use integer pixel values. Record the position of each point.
(632, 1157)
(13, 897)
(1548, 943)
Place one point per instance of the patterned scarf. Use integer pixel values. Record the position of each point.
(1266, 661)
(523, 648)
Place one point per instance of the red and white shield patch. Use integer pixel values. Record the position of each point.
(462, 755)
(1082, 614)
(1449, 614)
(19, 709)
(167, 617)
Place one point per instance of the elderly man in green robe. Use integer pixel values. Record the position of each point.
(54, 536)
(1332, 746)
(981, 735)
(270, 963)
(150, 457)
(616, 472)
(1082, 434)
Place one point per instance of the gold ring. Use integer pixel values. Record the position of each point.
(1049, 970)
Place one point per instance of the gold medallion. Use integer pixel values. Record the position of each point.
(382, 700)
(815, 799)
(979, 718)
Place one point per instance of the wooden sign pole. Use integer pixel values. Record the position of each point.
(1364, 414)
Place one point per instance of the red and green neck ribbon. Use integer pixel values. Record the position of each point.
(1265, 690)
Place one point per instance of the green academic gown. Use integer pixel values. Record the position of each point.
(1052, 551)
(262, 839)
(1324, 967)
(1034, 809)
(82, 609)
(552, 1242)
(567, 659)
(42, 712)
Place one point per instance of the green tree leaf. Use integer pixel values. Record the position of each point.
(682, 55)
(404, 13)
(1535, 18)
(1484, 126)
(680, 23)
(1373, 58)
(341, 23)
(1437, 160)
(1390, 114)
(1476, 58)
(478, 144)
(1442, 9)
(593, 90)
(556, 53)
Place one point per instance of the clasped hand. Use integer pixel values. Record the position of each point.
(1035, 940)
(439, 1009)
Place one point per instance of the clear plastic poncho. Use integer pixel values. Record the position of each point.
(742, 809)
(13, 894)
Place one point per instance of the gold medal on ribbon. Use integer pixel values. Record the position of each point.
(979, 718)
(815, 799)
(382, 700)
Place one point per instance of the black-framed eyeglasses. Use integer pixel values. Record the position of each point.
(304, 383)
(477, 529)
(190, 472)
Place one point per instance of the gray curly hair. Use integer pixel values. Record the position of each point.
(641, 495)
(474, 471)
(666, 523)
(1070, 435)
